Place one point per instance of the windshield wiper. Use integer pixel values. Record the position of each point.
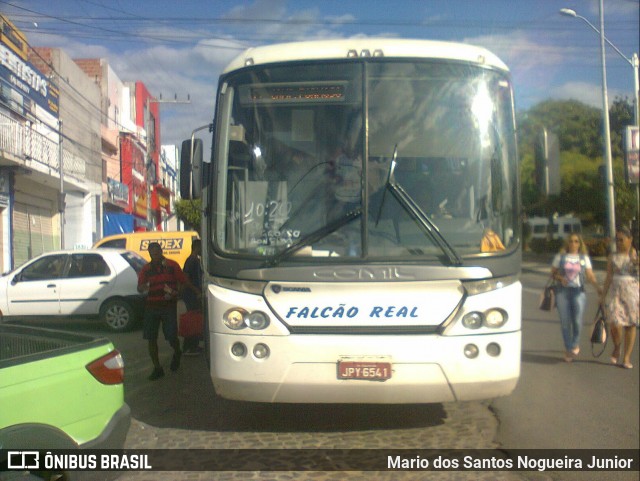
(416, 213)
(423, 221)
(392, 168)
(315, 236)
(310, 197)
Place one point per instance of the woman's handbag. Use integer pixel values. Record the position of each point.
(599, 333)
(548, 297)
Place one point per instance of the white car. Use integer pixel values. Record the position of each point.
(90, 282)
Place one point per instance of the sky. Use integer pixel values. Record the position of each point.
(178, 48)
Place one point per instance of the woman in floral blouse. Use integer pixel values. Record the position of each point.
(621, 297)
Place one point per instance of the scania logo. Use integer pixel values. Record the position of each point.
(277, 288)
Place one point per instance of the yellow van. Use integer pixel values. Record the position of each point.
(176, 245)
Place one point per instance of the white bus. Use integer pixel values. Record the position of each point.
(361, 236)
(562, 226)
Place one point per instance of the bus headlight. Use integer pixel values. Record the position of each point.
(488, 285)
(235, 318)
(257, 320)
(495, 318)
(472, 320)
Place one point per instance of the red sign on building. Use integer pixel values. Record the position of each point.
(161, 200)
(133, 176)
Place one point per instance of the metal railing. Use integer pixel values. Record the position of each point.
(25, 143)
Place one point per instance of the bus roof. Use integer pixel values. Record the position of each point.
(344, 48)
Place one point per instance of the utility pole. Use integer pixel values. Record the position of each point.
(61, 193)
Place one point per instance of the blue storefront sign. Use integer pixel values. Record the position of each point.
(28, 86)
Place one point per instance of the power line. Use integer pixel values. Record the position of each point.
(107, 30)
(302, 22)
(85, 106)
(60, 77)
(106, 7)
(81, 95)
(88, 103)
(80, 26)
(271, 37)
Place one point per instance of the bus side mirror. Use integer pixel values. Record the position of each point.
(191, 169)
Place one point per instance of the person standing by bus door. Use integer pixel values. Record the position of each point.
(193, 270)
(570, 268)
(161, 281)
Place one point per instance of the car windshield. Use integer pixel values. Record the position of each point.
(301, 148)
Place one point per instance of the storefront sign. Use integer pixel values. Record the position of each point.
(28, 82)
(117, 191)
(161, 199)
(140, 199)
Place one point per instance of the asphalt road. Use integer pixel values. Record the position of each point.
(588, 403)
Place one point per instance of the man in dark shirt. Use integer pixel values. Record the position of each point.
(162, 280)
(193, 270)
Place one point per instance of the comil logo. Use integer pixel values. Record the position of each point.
(24, 460)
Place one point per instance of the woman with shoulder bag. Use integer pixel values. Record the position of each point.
(570, 268)
(621, 297)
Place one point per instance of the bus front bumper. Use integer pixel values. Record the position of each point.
(425, 368)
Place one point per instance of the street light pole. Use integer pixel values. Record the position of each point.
(611, 211)
(608, 163)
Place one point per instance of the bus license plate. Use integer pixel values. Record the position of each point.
(373, 371)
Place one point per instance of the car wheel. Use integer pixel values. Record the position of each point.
(117, 314)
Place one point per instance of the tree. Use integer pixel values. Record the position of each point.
(579, 128)
(577, 125)
(620, 115)
(189, 212)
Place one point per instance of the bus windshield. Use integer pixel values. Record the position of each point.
(377, 159)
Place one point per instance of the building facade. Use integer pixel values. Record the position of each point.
(80, 136)
(28, 195)
(169, 168)
(30, 154)
(114, 101)
(147, 118)
(79, 152)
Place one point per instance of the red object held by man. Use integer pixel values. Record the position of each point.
(191, 324)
